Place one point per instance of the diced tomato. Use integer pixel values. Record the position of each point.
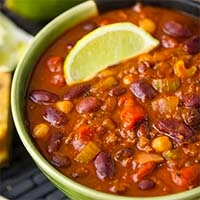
(85, 133)
(187, 176)
(143, 171)
(131, 115)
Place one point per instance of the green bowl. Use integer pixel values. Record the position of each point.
(18, 95)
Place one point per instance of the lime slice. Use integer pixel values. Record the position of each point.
(13, 42)
(103, 47)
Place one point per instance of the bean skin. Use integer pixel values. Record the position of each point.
(168, 42)
(55, 142)
(192, 45)
(88, 104)
(176, 29)
(54, 117)
(117, 91)
(191, 117)
(43, 97)
(146, 184)
(104, 165)
(176, 130)
(191, 100)
(142, 90)
(76, 91)
(60, 161)
(123, 153)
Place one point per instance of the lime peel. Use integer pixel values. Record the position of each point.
(104, 47)
(13, 42)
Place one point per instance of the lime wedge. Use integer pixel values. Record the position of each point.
(13, 42)
(103, 47)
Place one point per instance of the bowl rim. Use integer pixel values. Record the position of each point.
(17, 93)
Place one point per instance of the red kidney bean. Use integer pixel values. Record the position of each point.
(54, 117)
(117, 91)
(191, 100)
(43, 97)
(168, 42)
(88, 104)
(177, 130)
(176, 29)
(192, 45)
(191, 117)
(76, 91)
(104, 165)
(146, 184)
(123, 153)
(143, 129)
(60, 161)
(55, 142)
(58, 80)
(55, 63)
(143, 66)
(89, 26)
(142, 90)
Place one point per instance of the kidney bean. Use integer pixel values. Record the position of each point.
(55, 63)
(176, 29)
(76, 91)
(89, 26)
(192, 45)
(88, 104)
(191, 100)
(117, 91)
(191, 117)
(43, 97)
(143, 129)
(168, 42)
(55, 142)
(146, 184)
(104, 165)
(60, 161)
(54, 117)
(143, 66)
(58, 80)
(142, 90)
(123, 153)
(177, 130)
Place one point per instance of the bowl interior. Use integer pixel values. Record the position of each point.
(23, 73)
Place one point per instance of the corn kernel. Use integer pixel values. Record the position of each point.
(148, 25)
(64, 106)
(40, 131)
(161, 144)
